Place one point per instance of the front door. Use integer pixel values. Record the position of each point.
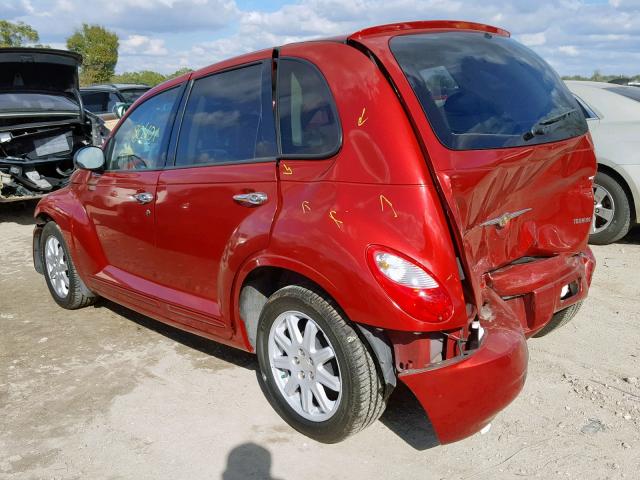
(216, 205)
(121, 201)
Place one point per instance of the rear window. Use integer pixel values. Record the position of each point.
(36, 102)
(483, 91)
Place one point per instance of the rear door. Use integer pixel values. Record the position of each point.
(121, 201)
(506, 142)
(216, 204)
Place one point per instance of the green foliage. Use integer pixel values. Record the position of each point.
(147, 77)
(597, 76)
(99, 49)
(16, 34)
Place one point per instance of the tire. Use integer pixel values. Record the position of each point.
(559, 319)
(65, 286)
(616, 199)
(359, 400)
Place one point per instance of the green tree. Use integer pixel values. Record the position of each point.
(99, 49)
(147, 77)
(16, 34)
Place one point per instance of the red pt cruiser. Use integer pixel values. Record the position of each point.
(410, 202)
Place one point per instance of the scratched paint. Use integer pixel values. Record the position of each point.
(333, 216)
(384, 200)
(362, 118)
(306, 207)
(286, 170)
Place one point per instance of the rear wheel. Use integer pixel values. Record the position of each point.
(611, 213)
(65, 286)
(316, 372)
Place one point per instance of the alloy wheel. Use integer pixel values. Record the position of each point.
(603, 210)
(57, 268)
(304, 366)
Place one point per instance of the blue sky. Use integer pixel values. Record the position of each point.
(575, 36)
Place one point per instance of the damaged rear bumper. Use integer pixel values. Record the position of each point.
(461, 396)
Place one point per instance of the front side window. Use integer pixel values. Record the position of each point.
(228, 118)
(486, 91)
(139, 142)
(308, 119)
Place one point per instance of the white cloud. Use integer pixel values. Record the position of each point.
(577, 36)
(143, 45)
(533, 39)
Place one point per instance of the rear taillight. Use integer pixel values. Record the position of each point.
(412, 287)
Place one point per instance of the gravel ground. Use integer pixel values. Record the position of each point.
(105, 393)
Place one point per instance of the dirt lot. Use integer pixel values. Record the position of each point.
(106, 393)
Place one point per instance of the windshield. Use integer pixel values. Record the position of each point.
(483, 91)
(132, 95)
(36, 102)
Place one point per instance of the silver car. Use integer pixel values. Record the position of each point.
(613, 115)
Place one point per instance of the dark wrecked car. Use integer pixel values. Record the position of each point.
(42, 121)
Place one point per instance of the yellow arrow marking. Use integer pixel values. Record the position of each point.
(384, 200)
(306, 207)
(362, 118)
(332, 214)
(286, 169)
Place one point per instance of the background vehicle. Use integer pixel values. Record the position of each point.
(41, 122)
(613, 114)
(408, 203)
(102, 99)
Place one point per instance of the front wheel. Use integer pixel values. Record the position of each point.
(316, 372)
(65, 286)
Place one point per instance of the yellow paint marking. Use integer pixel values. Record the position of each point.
(286, 169)
(384, 200)
(306, 207)
(332, 214)
(362, 118)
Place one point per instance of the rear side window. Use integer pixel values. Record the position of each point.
(95, 102)
(308, 120)
(483, 91)
(228, 118)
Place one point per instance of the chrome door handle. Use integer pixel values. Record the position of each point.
(251, 199)
(144, 197)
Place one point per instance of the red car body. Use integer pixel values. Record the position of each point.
(184, 258)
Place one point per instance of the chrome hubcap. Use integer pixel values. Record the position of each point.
(57, 269)
(304, 366)
(603, 208)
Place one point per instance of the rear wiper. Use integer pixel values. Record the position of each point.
(541, 127)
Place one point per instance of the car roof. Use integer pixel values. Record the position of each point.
(389, 30)
(116, 86)
(605, 99)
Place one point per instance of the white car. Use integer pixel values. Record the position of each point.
(613, 115)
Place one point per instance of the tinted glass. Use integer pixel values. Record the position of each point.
(36, 102)
(309, 124)
(132, 95)
(484, 91)
(95, 102)
(139, 142)
(228, 118)
(629, 92)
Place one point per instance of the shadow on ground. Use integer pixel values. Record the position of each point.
(633, 237)
(18, 212)
(248, 460)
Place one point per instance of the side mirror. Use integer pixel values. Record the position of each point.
(89, 158)
(120, 108)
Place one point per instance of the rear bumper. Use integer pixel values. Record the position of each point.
(462, 397)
